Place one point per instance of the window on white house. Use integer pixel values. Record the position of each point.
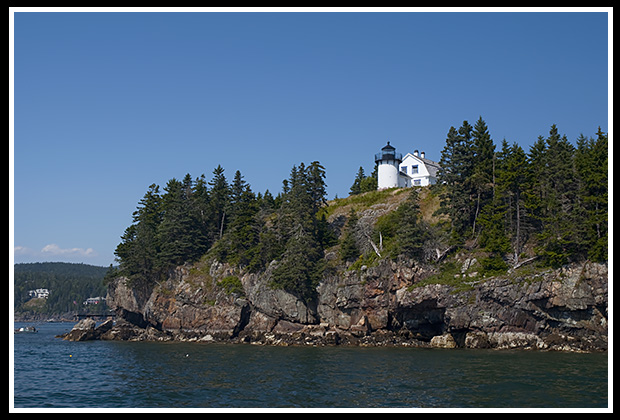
(414, 169)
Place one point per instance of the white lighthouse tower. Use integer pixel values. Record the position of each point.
(388, 162)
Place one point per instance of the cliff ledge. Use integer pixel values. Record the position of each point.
(389, 304)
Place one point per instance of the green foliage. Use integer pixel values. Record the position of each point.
(301, 267)
(410, 236)
(552, 200)
(302, 230)
(402, 231)
(369, 183)
(243, 232)
(369, 259)
(457, 173)
(387, 225)
(232, 284)
(138, 252)
(449, 273)
(356, 187)
(179, 230)
(363, 183)
(558, 242)
(492, 221)
(591, 162)
(349, 250)
(493, 265)
(556, 195)
(229, 222)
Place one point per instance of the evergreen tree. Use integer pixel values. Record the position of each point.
(363, 183)
(219, 200)
(513, 180)
(349, 250)
(178, 230)
(482, 172)
(356, 188)
(200, 207)
(301, 231)
(267, 203)
(457, 165)
(369, 183)
(138, 252)
(242, 232)
(237, 188)
(493, 235)
(410, 235)
(301, 268)
(317, 189)
(449, 177)
(537, 194)
(557, 239)
(591, 162)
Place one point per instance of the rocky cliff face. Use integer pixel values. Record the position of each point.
(383, 305)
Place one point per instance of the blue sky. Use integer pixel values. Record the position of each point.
(106, 104)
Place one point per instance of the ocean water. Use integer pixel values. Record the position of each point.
(50, 372)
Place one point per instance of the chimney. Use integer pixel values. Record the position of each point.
(422, 155)
(415, 153)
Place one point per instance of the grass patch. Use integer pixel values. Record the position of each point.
(361, 201)
(369, 259)
(450, 274)
(232, 284)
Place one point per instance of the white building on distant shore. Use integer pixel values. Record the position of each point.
(94, 300)
(394, 171)
(39, 293)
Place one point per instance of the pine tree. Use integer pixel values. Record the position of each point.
(218, 203)
(369, 183)
(410, 237)
(557, 237)
(201, 212)
(363, 183)
(178, 230)
(138, 252)
(449, 177)
(537, 194)
(300, 232)
(457, 168)
(591, 163)
(349, 250)
(301, 267)
(482, 172)
(356, 188)
(512, 181)
(237, 188)
(242, 235)
(494, 235)
(317, 189)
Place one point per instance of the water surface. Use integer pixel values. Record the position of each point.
(49, 372)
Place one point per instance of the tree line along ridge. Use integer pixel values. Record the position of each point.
(549, 204)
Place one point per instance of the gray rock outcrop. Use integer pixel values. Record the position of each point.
(386, 304)
(87, 329)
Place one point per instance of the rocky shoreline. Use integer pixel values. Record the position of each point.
(385, 305)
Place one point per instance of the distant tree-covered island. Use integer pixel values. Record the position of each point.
(69, 286)
(547, 205)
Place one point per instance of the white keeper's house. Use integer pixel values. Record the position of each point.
(394, 170)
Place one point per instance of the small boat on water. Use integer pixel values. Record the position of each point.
(30, 329)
